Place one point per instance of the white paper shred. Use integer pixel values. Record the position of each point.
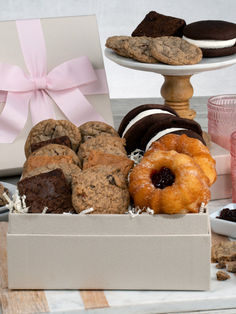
(44, 210)
(136, 211)
(202, 208)
(136, 156)
(17, 204)
(86, 211)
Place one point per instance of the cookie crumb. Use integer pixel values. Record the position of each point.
(222, 275)
(231, 267)
(221, 265)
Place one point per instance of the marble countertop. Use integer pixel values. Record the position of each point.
(220, 299)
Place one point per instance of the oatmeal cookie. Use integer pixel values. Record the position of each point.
(57, 150)
(102, 143)
(68, 170)
(122, 163)
(116, 43)
(175, 51)
(49, 190)
(94, 128)
(139, 48)
(49, 129)
(103, 188)
(34, 162)
(224, 251)
(62, 140)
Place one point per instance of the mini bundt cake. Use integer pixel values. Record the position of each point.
(191, 147)
(168, 182)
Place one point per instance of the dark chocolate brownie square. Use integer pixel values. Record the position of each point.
(157, 25)
(49, 190)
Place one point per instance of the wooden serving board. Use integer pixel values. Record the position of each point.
(32, 301)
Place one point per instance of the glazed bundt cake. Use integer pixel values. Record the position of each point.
(191, 147)
(168, 182)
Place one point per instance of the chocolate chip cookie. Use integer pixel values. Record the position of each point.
(68, 170)
(139, 48)
(57, 150)
(94, 128)
(122, 163)
(62, 140)
(103, 188)
(34, 162)
(175, 51)
(102, 143)
(116, 43)
(49, 129)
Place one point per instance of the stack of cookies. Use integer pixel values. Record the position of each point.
(71, 169)
(157, 39)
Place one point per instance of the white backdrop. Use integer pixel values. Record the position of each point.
(117, 17)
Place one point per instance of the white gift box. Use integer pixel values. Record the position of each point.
(96, 251)
(65, 39)
(154, 252)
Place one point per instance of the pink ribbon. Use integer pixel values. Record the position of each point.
(66, 84)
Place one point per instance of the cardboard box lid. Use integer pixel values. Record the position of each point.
(65, 39)
(55, 224)
(222, 158)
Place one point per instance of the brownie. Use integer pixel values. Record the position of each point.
(49, 190)
(156, 25)
(228, 214)
(62, 140)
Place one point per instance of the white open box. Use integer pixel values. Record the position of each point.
(161, 252)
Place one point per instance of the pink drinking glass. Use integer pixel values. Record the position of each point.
(233, 165)
(222, 119)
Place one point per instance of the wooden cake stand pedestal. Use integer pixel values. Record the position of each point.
(176, 89)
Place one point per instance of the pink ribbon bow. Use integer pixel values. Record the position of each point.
(66, 84)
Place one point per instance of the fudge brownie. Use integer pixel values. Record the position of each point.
(156, 25)
(49, 190)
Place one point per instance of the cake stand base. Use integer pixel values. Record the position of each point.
(177, 90)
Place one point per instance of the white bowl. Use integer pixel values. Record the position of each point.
(222, 226)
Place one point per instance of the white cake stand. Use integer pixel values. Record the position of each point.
(176, 89)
